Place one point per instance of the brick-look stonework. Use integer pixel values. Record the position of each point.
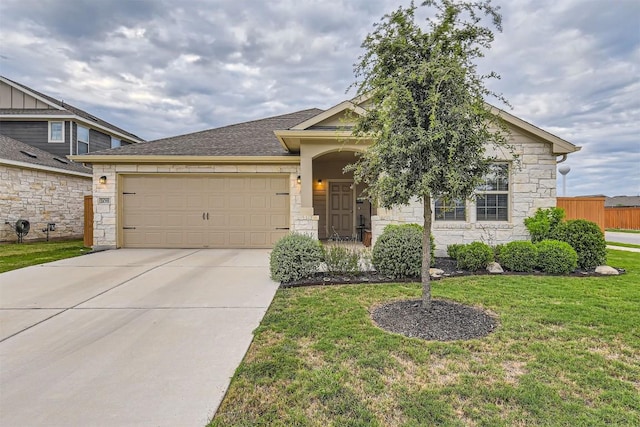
(532, 185)
(105, 213)
(42, 197)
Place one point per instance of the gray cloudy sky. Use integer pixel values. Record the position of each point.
(162, 67)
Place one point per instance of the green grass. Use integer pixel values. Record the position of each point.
(620, 230)
(18, 255)
(624, 245)
(567, 353)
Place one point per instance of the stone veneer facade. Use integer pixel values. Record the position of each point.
(532, 185)
(42, 197)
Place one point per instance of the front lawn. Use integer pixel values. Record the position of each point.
(567, 352)
(18, 255)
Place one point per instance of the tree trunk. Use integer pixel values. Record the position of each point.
(426, 253)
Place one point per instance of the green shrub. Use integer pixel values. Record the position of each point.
(294, 257)
(398, 251)
(474, 256)
(587, 239)
(342, 259)
(454, 250)
(496, 252)
(519, 256)
(543, 224)
(556, 257)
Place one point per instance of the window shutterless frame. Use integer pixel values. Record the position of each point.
(82, 137)
(55, 131)
(493, 195)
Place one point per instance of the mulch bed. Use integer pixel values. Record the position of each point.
(444, 321)
(448, 265)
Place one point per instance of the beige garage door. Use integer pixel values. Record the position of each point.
(204, 211)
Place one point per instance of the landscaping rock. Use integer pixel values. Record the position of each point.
(494, 268)
(606, 270)
(436, 273)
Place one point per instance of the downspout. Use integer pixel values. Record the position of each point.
(564, 157)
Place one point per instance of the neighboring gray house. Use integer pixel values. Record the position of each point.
(42, 188)
(247, 185)
(621, 201)
(54, 126)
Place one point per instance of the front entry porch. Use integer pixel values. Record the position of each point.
(342, 211)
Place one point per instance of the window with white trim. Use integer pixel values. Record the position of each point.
(450, 210)
(115, 142)
(83, 140)
(492, 196)
(56, 131)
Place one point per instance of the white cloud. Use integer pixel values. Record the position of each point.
(157, 69)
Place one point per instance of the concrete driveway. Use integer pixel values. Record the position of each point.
(127, 337)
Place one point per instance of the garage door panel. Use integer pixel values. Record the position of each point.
(237, 201)
(238, 239)
(258, 238)
(279, 202)
(259, 202)
(168, 210)
(275, 236)
(238, 221)
(278, 221)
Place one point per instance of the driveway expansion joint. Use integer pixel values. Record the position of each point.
(97, 295)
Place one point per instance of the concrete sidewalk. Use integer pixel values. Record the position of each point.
(623, 248)
(127, 337)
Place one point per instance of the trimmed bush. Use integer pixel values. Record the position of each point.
(475, 256)
(341, 259)
(556, 257)
(295, 257)
(398, 251)
(543, 223)
(587, 239)
(519, 256)
(496, 251)
(454, 250)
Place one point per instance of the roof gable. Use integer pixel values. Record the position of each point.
(336, 117)
(56, 108)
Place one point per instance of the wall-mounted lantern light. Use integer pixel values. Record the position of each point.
(103, 180)
(319, 181)
(299, 180)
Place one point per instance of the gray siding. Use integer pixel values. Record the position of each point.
(98, 141)
(36, 134)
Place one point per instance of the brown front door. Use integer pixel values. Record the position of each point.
(341, 209)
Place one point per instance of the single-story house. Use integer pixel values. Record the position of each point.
(246, 185)
(41, 188)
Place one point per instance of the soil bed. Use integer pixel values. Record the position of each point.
(444, 321)
(448, 265)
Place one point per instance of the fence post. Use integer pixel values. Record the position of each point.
(88, 221)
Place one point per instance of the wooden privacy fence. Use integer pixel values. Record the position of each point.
(88, 221)
(626, 218)
(589, 208)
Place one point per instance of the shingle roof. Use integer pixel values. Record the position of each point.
(622, 201)
(14, 150)
(254, 138)
(70, 109)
